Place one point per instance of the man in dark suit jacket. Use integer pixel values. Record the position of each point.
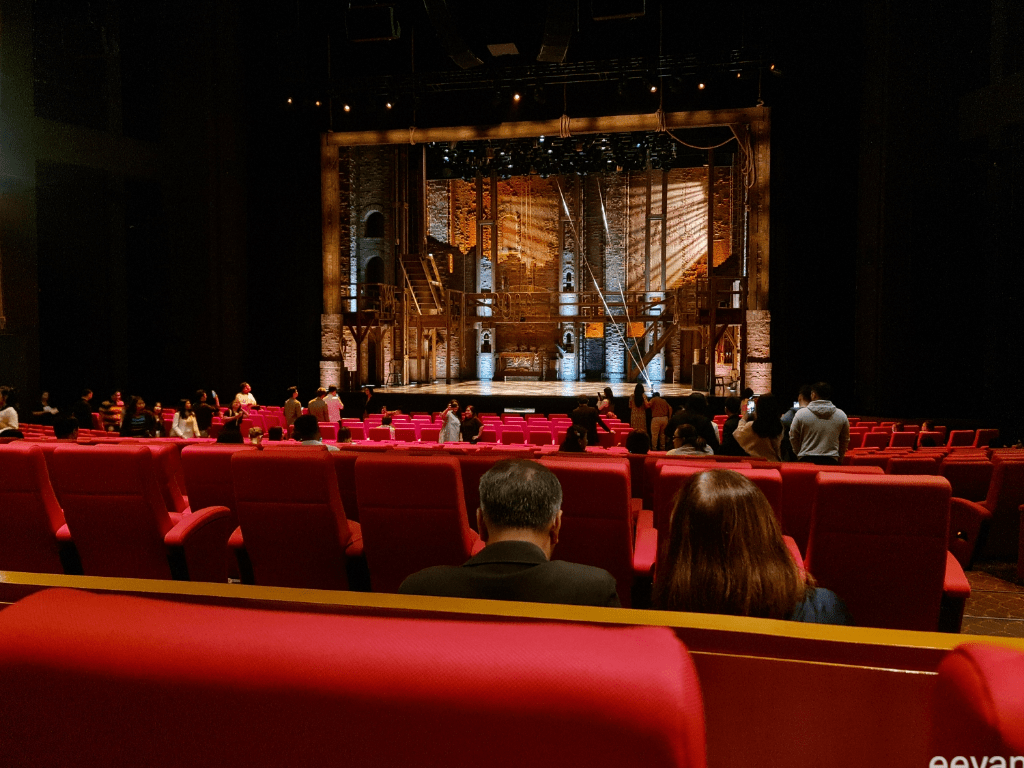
(519, 517)
(586, 417)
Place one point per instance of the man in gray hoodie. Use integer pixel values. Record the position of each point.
(820, 432)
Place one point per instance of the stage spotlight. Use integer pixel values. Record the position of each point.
(516, 96)
(388, 105)
(289, 101)
(347, 108)
(318, 103)
(701, 86)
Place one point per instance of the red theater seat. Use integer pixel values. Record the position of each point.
(413, 515)
(30, 516)
(876, 440)
(295, 529)
(798, 488)
(881, 543)
(913, 465)
(903, 440)
(598, 520)
(266, 689)
(121, 525)
(960, 437)
(978, 707)
(970, 479)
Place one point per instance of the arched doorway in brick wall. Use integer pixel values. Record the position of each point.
(375, 270)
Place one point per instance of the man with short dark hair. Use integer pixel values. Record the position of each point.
(317, 407)
(334, 404)
(732, 411)
(292, 407)
(587, 417)
(519, 517)
(660, 412)
(820, 432)
(307, 432)
(83, 409)
(66, 429)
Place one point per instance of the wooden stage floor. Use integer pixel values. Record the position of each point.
(531, 389)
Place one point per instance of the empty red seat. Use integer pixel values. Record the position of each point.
(969, 478)
(960, 437)
(540, 436)
(511, 436)
(429, 434)
(903, 440)
(978, 704)
(121, 526)
(413, 515)
(598, 520)
(30, 517)
(264, 689)
(913, 464)
(880, 543)
(379, 434)
(798, 488)
(294, 526)
(876, 440)
(984, 437)
(328, 430)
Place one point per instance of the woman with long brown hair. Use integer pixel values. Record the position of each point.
(726, 555)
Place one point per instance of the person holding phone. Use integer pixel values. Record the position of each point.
(732, 411)
(760, 431)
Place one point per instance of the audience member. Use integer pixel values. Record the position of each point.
(694, 411)
(108, 420)
(605, 402)
(292, 407)
(230, 432)
(760, 433)
(317, 407)
(307, 432)
(235, 413)
(184, 424)
(137, 421)
(732, 411)
(204, 411)
(638, 442)
(385, 421)
(245, 397)
(575, 440)
(803, 399)
(276, 434)
(583, 415)
(450, 423)
(83, 410)
(638, 406)
(8, 408)
(158, 411)
(726, 555)
(660, 412)
(519, 517)
(44, 413)
(12, 434)
(334, 405)
(687, 442)
(344, 434)
(367, 396)
(820, 432)
(256, 436)
(471, 425)
(117, 409)
(65, 429)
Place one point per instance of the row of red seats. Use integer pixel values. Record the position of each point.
(266, 688)
(421, 521)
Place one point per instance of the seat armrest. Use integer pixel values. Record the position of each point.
(955, 584)
(63, 533)
(794, 550)
(203, 537)
(965, 521)
(645, 552)
(236, 541)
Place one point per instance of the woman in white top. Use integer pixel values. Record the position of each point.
(246, 397)
(450, 424)
(184, 424)
(8, 414)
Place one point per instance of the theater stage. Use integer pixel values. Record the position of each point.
(499, 396)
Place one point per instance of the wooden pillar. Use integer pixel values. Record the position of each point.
(448, 337)
(664, 229)
(712, 294)
(647, 230)
(330, 203)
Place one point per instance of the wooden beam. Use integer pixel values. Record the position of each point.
(330, 205)
(712, 294)
(533, 128)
